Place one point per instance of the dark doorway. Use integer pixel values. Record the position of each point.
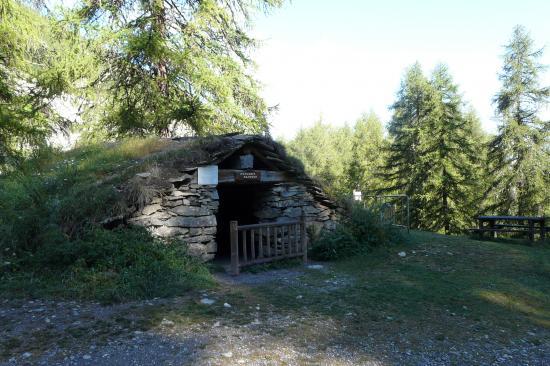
(237, 202)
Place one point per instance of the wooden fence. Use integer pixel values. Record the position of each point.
(262, 243)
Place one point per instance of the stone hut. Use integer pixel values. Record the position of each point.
(200, 184)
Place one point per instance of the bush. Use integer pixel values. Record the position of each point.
(356, 235)
(52, 242)
(106, 265)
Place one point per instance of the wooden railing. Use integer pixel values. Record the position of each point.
(262, 243)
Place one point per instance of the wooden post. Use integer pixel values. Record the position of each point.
(252, 245)
(303, 236)
(531, 224)
(261, 243)
(234, 237)
(492, 226)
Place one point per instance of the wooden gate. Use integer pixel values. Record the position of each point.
(262, 243)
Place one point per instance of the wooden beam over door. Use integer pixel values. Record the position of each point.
(251, 176)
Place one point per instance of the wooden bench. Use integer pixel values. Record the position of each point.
(511, 224)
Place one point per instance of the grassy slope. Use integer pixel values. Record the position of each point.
(51, 242)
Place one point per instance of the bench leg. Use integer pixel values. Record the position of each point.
(493, 233)
(531, 231)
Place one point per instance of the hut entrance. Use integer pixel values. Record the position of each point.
(237, 202)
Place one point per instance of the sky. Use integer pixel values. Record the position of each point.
(335, 60)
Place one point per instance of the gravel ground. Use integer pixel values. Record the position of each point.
(165, 332)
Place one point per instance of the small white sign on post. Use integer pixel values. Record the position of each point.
(357, 195)
(208, 175)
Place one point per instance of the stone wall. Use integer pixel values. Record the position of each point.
(286, 202)
(188, 212)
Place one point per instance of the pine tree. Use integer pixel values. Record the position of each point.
(170, 65)
(367, 154)
(519, 155)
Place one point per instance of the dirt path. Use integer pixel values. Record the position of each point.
(237, 325)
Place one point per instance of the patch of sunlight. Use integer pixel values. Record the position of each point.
(540, 316)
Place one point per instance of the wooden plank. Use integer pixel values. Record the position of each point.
(499, 230)
(261, 243)
(234, 237)
(297, 238)
(252, 245)
(303, 237)
(268, 229)
(245, 255)
(266, 176)
(270, 224)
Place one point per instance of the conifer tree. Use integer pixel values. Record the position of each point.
(432, 156)
(367, 154)
(519, 154)
(406, 169)
(174, 64)
(39, 61)
(450, 148)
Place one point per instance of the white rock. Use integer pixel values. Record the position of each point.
(27, 355)
(207, 301)
(87, 357)
(402, 254)
(167, 322)
(315, 266)
(226, 305)
(227, 354)
(216, 324)
(299, 297)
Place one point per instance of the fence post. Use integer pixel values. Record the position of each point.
(303, 236)
(234, 237)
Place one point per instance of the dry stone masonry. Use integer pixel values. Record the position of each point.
(181, 208)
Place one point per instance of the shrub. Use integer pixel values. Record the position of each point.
(51, 239)
(106, 265)
(357, 234)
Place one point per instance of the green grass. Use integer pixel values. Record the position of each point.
(52, 243)
(451, 279)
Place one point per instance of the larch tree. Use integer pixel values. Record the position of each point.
(450, 148)
(519, 155)
(406, 169)
(432, 156)
(173, 64)
(39, 62)
(367, 154)
(325, 152)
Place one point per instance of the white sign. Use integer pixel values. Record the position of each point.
(357, 195)
(208, 175)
